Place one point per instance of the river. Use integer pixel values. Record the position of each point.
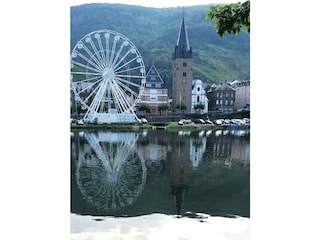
(159, 184)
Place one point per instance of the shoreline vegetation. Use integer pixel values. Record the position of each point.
(167, 126)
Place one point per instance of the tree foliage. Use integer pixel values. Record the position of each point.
(163, 107)
(181, 106)
(230, 18)
(199, 106)
(144, 107)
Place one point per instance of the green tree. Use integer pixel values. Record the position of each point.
(181, 106)
(163, 107)
(230, 17)
(144, 108)
(198, 106)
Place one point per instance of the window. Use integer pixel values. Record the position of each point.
(217, 102)
(198, 98)
(184, 74)
(226, 101)
(184, 64)
(226, 94)
(198, 89)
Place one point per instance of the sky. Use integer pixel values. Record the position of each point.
(157, 4)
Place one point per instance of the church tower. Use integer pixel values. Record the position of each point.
(182, 71)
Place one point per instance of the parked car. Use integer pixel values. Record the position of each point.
(207, 121)
(219, 121)
(187, 121)
(181, 122)
(199, 121)
(143, 120)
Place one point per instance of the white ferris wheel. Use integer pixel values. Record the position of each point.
(107, 77)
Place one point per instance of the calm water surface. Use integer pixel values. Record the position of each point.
(156, 184)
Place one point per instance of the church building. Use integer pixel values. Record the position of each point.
(182, 72)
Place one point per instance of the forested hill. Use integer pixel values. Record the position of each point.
(155, 31)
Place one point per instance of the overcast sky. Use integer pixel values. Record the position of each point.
(158, 3)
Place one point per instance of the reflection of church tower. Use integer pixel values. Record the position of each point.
(179, 170)
(182, 71)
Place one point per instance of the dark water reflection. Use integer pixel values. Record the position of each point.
(138, 173)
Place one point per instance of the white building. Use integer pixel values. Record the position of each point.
(154, 92)
(198, 95)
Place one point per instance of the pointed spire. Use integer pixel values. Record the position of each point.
(182, 48)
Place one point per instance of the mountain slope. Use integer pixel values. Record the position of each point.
(154, 31)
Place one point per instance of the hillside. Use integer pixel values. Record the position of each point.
(155, 30)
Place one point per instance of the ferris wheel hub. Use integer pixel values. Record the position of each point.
(109, 74)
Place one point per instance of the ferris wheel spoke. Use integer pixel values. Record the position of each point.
(122, 156)
(99, 78)
(102, 50)
(97, 53)
(120, 102)
(125, 64)
(94, 106)
(85, 66)
(125, 43)
(91, 93)
(92, 55)
(86, 73)
(121, 99)
(123, 80)
(90, 85)
(130, 69)
(133, 93)
(115, 41)
(107, 36)
(93, 63)
(123, 190)
(129, 76)
(121, 60)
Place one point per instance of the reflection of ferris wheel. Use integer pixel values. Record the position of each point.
(110, 174)
(107, 75)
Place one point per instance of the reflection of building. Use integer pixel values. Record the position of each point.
(240, 151)
(179, 169)
(197, 148)
(228, 149)
(153, 148)
(222, 147)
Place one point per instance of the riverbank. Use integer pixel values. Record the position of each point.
(168, 126)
